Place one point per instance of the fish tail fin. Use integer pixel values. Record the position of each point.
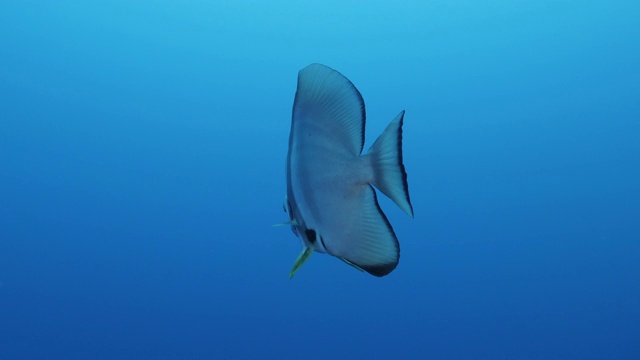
(389, 175)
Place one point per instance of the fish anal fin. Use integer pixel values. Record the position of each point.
(362, 235)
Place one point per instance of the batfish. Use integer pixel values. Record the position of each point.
(331, 201)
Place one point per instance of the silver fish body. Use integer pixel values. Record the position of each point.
(331, 201)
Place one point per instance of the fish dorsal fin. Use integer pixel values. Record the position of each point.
(328, 103)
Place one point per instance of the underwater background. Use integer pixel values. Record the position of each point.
(142, 150)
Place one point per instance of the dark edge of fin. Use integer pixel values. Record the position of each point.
(379, 271)
(405, 183)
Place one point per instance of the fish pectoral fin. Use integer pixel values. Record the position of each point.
(302, 258)
(288, 223)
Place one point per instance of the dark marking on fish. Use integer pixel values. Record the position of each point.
(311, 235)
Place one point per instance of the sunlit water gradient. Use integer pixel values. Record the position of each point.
(142, 149)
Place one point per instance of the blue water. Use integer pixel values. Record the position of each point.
(142, 148)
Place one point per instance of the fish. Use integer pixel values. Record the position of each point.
(331, 198)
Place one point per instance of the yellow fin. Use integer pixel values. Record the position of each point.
(304, 256)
